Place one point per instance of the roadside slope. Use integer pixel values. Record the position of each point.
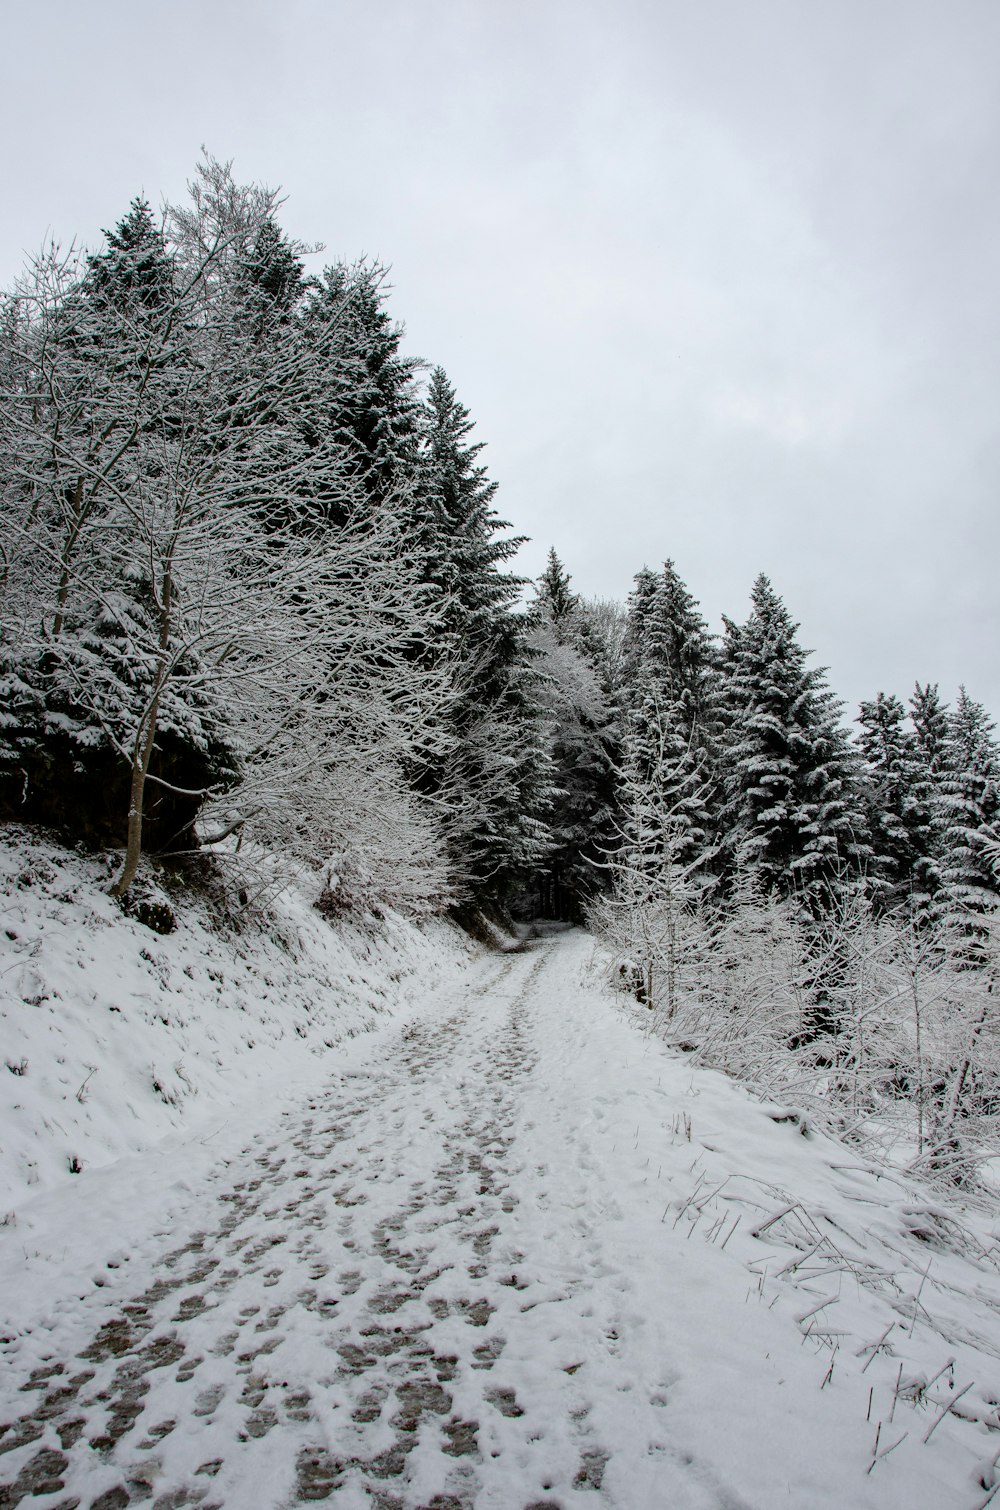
(114, 1037)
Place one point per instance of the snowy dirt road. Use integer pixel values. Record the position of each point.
(448, 1281)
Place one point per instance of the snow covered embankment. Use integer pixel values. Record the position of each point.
(113, 1037)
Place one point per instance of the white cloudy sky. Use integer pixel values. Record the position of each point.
(717, 278)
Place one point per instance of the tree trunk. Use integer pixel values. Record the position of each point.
(137, 790)
(144, 740)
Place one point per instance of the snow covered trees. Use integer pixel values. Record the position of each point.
(180, 622)
(970, 805)
(671, 713)
(91, 416)
(896, 815)
(792, 811)
(933, 802)
(581, 729)
(250, 575)
(814, 916)
(253, 580)
(665, 838)
(745, 746)
(493, 784)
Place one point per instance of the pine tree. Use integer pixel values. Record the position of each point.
(580, 816)
(675, 648)
(554, 596)
(793, 811)
(666, 791)
(668, 734)
(496, 775)
(468, 542)
(135, 271)
(370, 388)
(970, 805)
(898, 807)
(929, 717)
(637, 625)
(272, 275)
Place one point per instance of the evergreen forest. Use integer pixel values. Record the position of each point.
(257, 609)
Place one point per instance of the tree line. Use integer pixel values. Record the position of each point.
(252, 580)
(255, 596)
(731, 757)
(811, 910)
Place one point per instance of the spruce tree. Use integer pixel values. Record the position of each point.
(468, 542)
(580, 815)
(899, 806)
(135, 271)
(494, 779)
(554, 596)
(929, 717)
(793, 815)
(272, 273)
(970, 805)
(371, 395)
(668, 734)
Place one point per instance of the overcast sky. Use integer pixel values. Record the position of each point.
(718, 279)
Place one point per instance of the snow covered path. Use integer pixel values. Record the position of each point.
(491, 1264)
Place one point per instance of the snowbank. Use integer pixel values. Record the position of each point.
(113, 1036)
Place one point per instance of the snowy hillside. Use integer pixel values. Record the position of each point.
(500, 1248)
(113, 1036)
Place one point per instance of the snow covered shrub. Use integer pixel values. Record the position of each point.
(908, 1061)
(147, 904)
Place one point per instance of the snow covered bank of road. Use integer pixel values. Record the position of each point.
(802, 1319)
(511, 1255)
(113, 1037)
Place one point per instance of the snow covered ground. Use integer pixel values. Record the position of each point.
(113, 1036)
(502, 1250)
